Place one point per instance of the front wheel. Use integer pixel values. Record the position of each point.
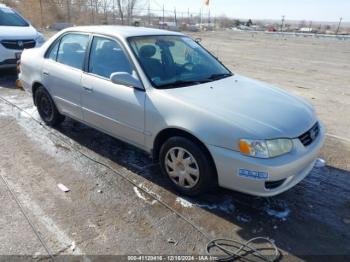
(46, 108)
(187, 166)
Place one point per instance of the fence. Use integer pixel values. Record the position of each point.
(43, 13)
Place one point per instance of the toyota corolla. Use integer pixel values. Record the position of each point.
(167, 95)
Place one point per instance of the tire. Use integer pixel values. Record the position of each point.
(187, 167)
(47, 108)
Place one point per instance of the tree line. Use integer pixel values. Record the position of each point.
(45, 12)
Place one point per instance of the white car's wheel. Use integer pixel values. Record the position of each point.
(47, 108)
(182, 167)
(186, 165)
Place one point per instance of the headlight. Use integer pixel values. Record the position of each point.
(265, 148)
(40, 39)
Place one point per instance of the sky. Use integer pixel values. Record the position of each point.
(315, 10)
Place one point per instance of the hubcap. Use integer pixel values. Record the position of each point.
(182, 167)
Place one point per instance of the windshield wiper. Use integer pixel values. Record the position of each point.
(214, 77)
(182, 83)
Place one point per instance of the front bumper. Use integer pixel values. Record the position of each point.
(283, 172)
(8, 63)
(8, 57)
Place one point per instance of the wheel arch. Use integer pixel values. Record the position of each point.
(167, 133)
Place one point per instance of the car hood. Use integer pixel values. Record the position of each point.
(17, 32)
(262, 110)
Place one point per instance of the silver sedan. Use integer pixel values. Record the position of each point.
(164, 93)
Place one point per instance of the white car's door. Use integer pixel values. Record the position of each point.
(62, 72)
(116, 109)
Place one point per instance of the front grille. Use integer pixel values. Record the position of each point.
(310, 136)
(18, 44)
(9, 62)
(274, 184)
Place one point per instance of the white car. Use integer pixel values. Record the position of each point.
(164, 93)
(16, 34)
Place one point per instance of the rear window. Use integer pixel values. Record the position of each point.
(8, 17)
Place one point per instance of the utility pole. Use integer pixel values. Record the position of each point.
(113, 11)
(209, 18)
(41, 14)
(339, 25)
(282, 24)
(175, 16)
(163, 17)
(149, 12)
(68, 10)
(92, 12)
(188, 16)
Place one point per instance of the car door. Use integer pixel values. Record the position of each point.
(113, 108)
(62, 72)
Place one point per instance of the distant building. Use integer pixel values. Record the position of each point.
(168, 25)
(307, 30)
(271, 28)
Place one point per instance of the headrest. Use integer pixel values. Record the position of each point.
(108, 46)
(71, 47)
(147, 51)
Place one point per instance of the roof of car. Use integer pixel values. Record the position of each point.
(3, 5)
(122, 31)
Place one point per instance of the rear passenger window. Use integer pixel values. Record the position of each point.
(72, 50)
(107, 57)
(53, 52)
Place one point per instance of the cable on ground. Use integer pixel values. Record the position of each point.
(233, 249)
(237, 250)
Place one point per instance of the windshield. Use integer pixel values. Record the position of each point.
(176, 61)
(8, 17)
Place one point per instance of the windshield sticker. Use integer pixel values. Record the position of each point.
(253, 174)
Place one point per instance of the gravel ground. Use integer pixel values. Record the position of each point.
(119, 204)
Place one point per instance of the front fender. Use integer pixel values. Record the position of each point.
(163, 111)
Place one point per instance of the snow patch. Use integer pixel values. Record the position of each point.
(277, 208)
(28, 113)
(225, 206)
(278, 214)
(141, 196)
(184, 203)
(244, 218)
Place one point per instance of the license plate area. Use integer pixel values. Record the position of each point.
(18, 55)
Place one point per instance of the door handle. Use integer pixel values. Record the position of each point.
(46, 73)
(89, 89)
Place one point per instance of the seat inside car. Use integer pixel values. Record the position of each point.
(108, 59)
(72, 55)
(151, 65)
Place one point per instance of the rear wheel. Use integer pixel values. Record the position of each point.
(47, 108)
(186, 165)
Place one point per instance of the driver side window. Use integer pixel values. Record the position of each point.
(107, 57)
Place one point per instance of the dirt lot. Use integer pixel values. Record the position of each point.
(119, 204)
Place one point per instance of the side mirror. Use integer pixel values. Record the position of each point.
(124, 78)
(198, 40)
